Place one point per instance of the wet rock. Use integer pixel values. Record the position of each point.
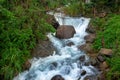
(26, 65)
(102, 76)
(57, 77)
(65, 32)
(82, 58)
(86, 47)
(90, 77)
(93, 62)
(90, 38)
(87, 63)
(51, 20)
(70, 44)
(90, 29)
(106, 52)
(43, 49)
(104, 66)
(55, 24)
(83, 72)
(53, 65)
(79, 78)
(100, 58)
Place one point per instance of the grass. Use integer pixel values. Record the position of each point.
(108, 30)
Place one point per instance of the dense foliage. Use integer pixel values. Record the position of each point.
(108, 34)
(22, 23)
(108, 31)
(91, 7)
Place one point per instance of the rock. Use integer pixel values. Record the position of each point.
(53, 66)
(43, 49)
(55, 24)
(106, 52)
(93, 62)
(102, 14)
(90, 29)
(90, 38)
(82, 58)
(83, 72)
(57, 77)
(87, 63)
(90, 77)
(86, 47)
(70, 44)
(102, 76)
(103, 66)
(100, 58)
(51, 20)
(65, 32)
(26, 65)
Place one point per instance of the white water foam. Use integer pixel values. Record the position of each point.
(65, 61)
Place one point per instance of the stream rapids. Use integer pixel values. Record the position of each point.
(65, 61)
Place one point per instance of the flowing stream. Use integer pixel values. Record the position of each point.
(65, 61)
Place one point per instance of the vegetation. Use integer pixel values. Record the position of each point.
(108, 30)
(77, 7)
(24, 22)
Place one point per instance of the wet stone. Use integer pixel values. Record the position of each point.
(100, 58)
(52, 66)
(93, 62)
(55, 64)
(90, 77)
(83, 72)
(70, 44)
(79, 78)
(87, 63)
(31, 76)
(82, 58)
(57, 77)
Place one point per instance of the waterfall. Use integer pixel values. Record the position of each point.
(66, 61)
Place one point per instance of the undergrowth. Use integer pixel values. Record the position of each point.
(108, 31)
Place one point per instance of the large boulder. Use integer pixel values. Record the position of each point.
(65, 32)
(57, 77)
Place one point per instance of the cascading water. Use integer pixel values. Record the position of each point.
(66, 61)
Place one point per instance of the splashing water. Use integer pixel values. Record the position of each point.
(66, 61)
